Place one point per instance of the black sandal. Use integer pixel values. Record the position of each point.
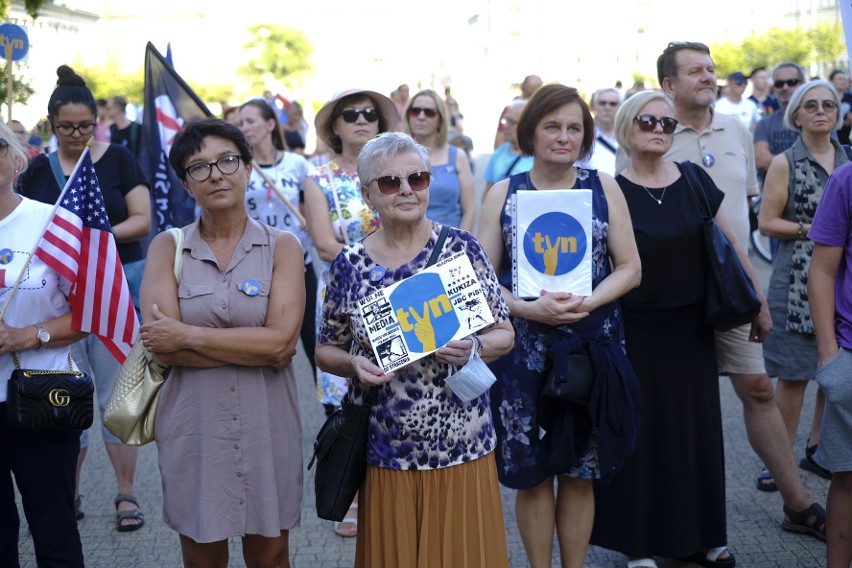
(807, 463)
(811, 521)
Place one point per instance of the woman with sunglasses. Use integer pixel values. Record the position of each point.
(229, 436)
(579, 444)
(73, 113)
(287, 170)
(791, 193)
(451, 193)
(670, 498)
(431, 495)
(336, 212)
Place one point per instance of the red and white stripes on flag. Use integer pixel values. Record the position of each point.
(78, 243)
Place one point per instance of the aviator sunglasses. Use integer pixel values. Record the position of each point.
(648, 122)
(350, 115)
(389, 185)
(789, 82)
(414, 112)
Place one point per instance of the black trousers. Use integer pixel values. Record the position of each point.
(44, 465)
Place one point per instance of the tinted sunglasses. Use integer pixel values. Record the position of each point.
(648, 122)
(789, 82)
(608, 103)
(414, 112)
(812, 106)
(389, 185)
(350, 115)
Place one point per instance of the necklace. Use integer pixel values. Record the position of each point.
(659, 200)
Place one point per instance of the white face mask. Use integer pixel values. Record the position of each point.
(472, 380)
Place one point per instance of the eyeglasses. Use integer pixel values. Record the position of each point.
(612, 104)
(4, 146)
(68, 129)
(812, 106)
(350, 115)
(508, 121)
(779, 83)
(648, 122)
(740, 82)
(227, 164)
(414, 112)
(389, 185)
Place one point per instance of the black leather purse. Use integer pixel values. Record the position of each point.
(43, 400)
(340, 452)
(571, 376)
(731, 298)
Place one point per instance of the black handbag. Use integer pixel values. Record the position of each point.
(731, 298)
(340, 452)
(571, 376)
(44, 400)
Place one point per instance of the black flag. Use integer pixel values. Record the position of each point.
(169, 104)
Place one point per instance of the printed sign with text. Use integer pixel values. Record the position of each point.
(418, 315)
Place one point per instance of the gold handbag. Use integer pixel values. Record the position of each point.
(132, 405)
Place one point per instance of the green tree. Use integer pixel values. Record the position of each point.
(109, 80)
(821, 45)
(277, 53)
(22, 90)
(31, 6)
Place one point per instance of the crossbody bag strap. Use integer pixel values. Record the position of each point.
(56, 167)
(606, 144)
(512, 166)
(439, 246)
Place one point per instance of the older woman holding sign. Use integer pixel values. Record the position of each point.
(431, 494)
(557, 129)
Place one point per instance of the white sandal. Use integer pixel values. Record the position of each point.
(353, 522)
(642, 563)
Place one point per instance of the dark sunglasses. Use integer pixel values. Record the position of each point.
(414, 112)
(789, 82)
(609, 103)
(740, 82)
(4, 146)
(648, 122)
(350, 115)
(389, 185)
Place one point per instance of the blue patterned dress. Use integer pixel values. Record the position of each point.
(516, 398)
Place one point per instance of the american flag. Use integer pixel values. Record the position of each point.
(78, 243)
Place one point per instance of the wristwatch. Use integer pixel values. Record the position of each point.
(43, 336)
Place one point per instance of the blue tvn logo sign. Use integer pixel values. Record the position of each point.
(425, 314)
(555, 243)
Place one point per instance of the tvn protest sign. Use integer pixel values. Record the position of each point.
(552, 240)
(416, 316)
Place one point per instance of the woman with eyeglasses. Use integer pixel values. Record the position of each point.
(287, 170)
(451, 193)
(544, 442)
(791, 193)
(73, 113)
(669, 500)
(431, 495)
(336, 212)
(228, 428)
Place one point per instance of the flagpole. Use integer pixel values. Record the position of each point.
(277, 191)
(44, 229)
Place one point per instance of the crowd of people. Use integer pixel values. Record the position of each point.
(286, 244)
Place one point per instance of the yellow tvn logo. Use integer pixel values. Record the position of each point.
(59, 397)
(555, 243)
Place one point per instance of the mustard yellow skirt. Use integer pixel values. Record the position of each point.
(443, 518)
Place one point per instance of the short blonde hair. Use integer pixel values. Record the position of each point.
(443, 124)
(16, 149)
(630, 109)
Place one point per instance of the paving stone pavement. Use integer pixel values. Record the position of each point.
(754, 532)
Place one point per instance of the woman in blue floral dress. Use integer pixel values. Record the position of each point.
(541, 439)
(335, 211)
